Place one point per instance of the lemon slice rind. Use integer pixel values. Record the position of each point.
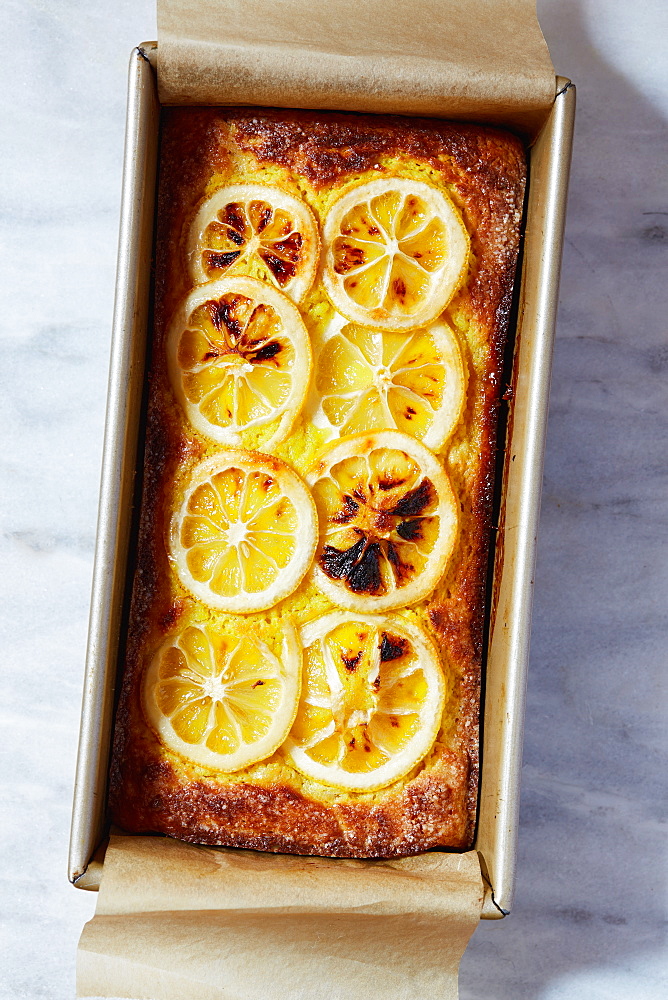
(384, 379)
(305, 224)
(446, 510)
(286, 668)
(304, 538)
(443, 282)
(292, 328)
(400, 764)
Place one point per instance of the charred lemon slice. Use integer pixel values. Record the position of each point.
(372, 700)
(369, 380)
(396, 250)
(388, 521)
(258, 230)
(239, 361)
(223, 701)
(245, 533)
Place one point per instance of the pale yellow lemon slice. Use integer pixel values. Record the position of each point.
(222, 700)
(258, 230)
(239, 361)
(245, 532)
(369, 380)
(372, 699)
(395, 252)
(387, 521)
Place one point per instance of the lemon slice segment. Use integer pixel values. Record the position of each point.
(396, 250)
(222, 701)
(239, 361)
(372, 700)
(245, 533)
(388, 521)
(369, 380)
(258, 230)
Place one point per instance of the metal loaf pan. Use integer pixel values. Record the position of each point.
(510, 619)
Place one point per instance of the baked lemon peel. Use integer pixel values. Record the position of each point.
(372, 699)
(377, 524)
(370, 380)
(388, 521)
(239, 359)
(245, 532)
(395, 252)
(255, 229)
(223, 701)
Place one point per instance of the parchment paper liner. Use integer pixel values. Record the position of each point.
(181, 922)
(465, 59)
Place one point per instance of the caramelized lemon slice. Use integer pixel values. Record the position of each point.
(258, 230)
(396, 250)
(372, 700)
(388, 521)
(239, 361)
(222, 701)
(369, 380)
(245, 533)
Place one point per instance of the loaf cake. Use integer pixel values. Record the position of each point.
(303, 657)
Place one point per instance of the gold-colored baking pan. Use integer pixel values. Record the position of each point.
(510, 612)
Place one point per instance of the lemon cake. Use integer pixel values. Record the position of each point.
(303, 658)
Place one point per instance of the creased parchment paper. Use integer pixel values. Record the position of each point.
(480, 60)
(180, 922)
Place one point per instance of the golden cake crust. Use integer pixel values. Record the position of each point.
(272, 807)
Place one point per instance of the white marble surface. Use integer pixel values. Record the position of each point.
(589, 917)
